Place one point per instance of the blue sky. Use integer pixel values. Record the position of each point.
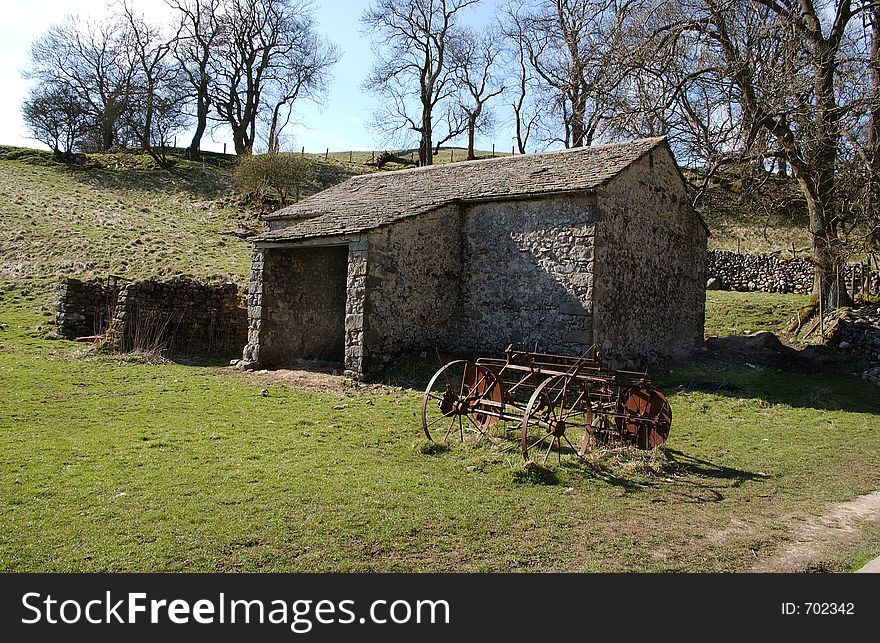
(341, 123)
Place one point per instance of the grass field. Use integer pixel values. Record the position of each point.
(740, 313)
(111, 464)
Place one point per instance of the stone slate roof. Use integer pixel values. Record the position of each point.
(373, 200)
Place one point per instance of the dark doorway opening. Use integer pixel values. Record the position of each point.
(304, 296)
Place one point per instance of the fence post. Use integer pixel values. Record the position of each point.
(327, 154)
(493, 150)
(451, 155)
(374, 156)
(302, 153)
(224, 148)
(349, 155)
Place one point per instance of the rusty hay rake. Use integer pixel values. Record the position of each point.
(553, 402)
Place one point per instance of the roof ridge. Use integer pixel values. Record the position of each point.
(655, 140)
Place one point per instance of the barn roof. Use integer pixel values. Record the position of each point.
(373, 200)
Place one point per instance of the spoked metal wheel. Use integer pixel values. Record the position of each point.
(648, 417)
(462, 399)
(557, 417)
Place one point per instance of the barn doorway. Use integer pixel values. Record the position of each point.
(305, 293)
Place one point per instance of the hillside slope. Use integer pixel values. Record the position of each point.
(136, 222)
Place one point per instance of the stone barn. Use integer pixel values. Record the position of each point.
(561, 250)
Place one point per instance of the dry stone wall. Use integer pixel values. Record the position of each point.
(84, 308)
(179, 316)
(770, 273)
(858, 333)
(527, 275)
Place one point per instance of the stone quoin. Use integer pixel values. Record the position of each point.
(563, 250)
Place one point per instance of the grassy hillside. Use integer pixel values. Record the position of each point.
(119, 215)
(753, 214)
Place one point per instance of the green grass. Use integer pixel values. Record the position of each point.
(739, 313)
(118, 465)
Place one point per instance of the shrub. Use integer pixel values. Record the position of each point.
(277, 174)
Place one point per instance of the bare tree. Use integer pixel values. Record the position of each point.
(305, 74)
(158, 95)
(198, 36)
(790, 63)
(526, 110)
(93, 61)
(474, 56)
(569, 48)
(56, 117)
(412, 73)
(257, 48)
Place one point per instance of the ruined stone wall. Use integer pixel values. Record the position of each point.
(858, 333)
(650, 277)
(181, 317)
(527, 274)
(771, 273)
(299, 311)
(412, 286)
(84, 308)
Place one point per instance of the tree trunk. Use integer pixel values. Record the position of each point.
(426, 156)
(108, 134)
(239, 140)
(202, 107)
(874, 123)
(472, 130)
(828, 258)
(520, 144)
(578, 115)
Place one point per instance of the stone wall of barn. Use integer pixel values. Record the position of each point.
(297, 300)
(411, 288)
(650, 276)
(527, 275)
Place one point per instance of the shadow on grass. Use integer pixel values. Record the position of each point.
(827, 391)
(192, 179)
(689, 479)
(690, 465)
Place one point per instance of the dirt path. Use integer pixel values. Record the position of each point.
(819, 535)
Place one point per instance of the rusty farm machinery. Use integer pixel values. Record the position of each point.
(549, 402)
